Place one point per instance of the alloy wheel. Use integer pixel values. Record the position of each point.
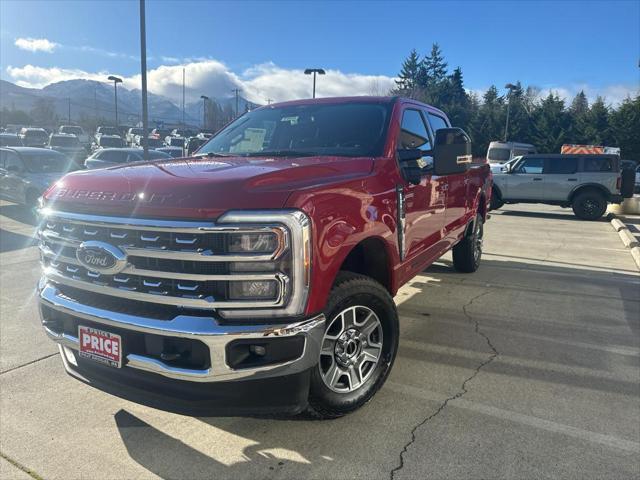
(351, 349)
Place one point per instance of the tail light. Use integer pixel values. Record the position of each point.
(619, 183)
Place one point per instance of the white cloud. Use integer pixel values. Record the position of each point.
(269, 81)
(213, 78)
(36, 44)
(31, 76)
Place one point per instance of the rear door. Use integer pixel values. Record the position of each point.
(525, 182)
(560, 177)
(456, 186)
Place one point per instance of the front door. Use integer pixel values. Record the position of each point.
(525, 182)
(424, 203)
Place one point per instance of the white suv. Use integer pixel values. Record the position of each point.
(584, 182)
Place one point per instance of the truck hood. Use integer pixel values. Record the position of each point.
(199, 187)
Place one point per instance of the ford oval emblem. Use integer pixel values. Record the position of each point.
(101, 257)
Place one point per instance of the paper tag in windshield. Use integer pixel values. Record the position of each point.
(252, 142)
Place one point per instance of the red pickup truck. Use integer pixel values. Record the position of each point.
(258, 275)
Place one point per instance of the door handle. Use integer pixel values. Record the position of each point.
(572, 179)
(537, 179)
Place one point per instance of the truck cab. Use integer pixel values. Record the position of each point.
(258, 276)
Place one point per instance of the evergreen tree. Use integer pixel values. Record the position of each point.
(408, 77)
(579, 105)
(578, 112)
(455, 101)
(625, 128)
(435, 68)
(597, 129)
(551, 123)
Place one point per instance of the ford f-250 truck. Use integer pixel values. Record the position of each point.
(258, 276)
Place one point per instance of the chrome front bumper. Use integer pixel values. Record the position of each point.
(205, 329)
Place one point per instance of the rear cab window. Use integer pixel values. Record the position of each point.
(597, 164)
(437, 122)
(561, 166)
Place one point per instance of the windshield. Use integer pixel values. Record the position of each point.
(72, 130)
(108, 131)
(36, 134)
(153, 142)
(113, 142)
(349, 129)
(498, 154)
(49, 162)
(64, 141)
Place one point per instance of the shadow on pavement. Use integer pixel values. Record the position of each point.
(19, 213)
(569, 350)
(10, 241)
(547, 215)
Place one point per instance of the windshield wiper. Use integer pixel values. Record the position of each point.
(212, 154)
(280, 153)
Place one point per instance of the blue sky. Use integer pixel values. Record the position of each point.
(262, 46)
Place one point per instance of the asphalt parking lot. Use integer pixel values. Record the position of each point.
(529, 368)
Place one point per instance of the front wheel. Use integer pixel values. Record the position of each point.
(358, 347)
(468, 252)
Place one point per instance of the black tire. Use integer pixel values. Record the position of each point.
(354, 290)
(496, 202)
(468, 252)
(589, 205)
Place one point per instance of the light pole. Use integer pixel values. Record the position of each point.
(204, 111)
(143, 71)
(237, 92)
(116, 81)
(511, 87)
(315, 71)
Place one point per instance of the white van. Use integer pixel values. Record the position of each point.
(502, 152)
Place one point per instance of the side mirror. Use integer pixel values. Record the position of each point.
(452, 151)
(410, 163)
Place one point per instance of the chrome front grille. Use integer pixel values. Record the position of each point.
(184, 264)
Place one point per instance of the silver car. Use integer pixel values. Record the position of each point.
(586, 183)
(25, 173)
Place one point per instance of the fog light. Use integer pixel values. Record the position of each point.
(258, 350)
(252, 290)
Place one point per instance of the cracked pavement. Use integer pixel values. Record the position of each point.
(529, 368)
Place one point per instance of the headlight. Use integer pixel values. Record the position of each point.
(253, 242)
(270, 258)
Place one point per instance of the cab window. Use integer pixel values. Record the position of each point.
(531, 165)
(413, 132)
(562, 166)
(597, 164)
(437, 122)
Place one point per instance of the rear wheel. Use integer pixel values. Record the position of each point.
(589, 205)
(468, 252)
(358, 347)
(496, 202)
